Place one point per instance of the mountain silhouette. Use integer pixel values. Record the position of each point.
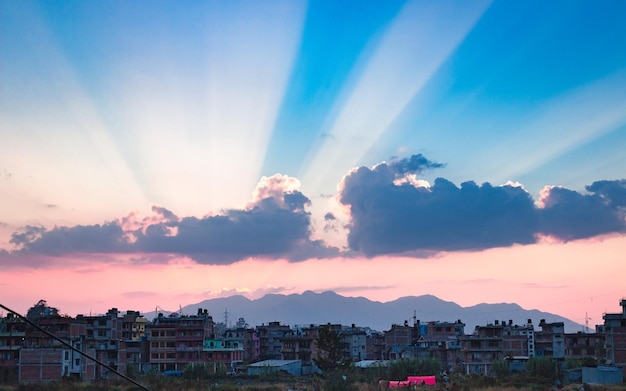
(329, 307)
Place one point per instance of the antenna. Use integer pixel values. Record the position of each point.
(226, 317)
(587, 318)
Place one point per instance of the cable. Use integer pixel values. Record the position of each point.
(30, 322)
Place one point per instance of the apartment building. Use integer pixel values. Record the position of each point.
(615, 338)
(12, 332)
(550, 340)
(401, 341)
(441, 341)
(355, 339)
(300, 344)
(584, 346)
(178, 340)
(43, 358)
(270, 340)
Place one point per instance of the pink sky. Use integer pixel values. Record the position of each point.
(570, 279)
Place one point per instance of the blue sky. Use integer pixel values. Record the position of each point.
(184, 113)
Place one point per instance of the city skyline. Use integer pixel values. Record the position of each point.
(170, 153)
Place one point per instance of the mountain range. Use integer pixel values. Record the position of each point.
(330, 307)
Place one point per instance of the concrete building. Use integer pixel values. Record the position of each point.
(178, 340)
(441, 341)
(270, 340)
(355, 339)
(615, 338)
(12, 333)
(401, 341)
(44, 359)
(584, 345)
(550, 340)
(300, 344)
(497, 341)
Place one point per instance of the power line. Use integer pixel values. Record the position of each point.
(30, 322)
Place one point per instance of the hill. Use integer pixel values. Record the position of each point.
(329, 307)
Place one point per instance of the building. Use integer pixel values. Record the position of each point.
(355, 339)
(615, 338)
(12, 333)
(292, 367)
(300, 344)
(104, 335)
(482, 348)
(270, 340)
(582, 346)
(550, 340)
(441, 341)
(401, 341)
(497, 341)
(178, 340)
(43, 358)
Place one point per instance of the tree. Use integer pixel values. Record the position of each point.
(330, 350)
(241, 323)
(41, 310)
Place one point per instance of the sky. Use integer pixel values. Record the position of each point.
(163, 153)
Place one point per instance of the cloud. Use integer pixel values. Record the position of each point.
(392, 215)
(360, 288)
(390, 210)
(274, 225)
(567, 214)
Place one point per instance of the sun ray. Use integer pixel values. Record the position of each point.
(414, 46)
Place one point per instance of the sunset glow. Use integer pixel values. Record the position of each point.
(166, 153)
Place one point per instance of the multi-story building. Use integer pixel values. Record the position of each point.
(270, 340)
(375, 346)
(300, 344)
(355, 339)
(43, 358)
(550, 340)
(223, 355)
(133, 326)
(584, 346)
(401, 341)
(615, 338)
(12, 332)
(178, 340)
(482, 348)
(104, 334)
(441, 341)
(251, 345)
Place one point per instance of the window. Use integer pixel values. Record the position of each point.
(67, 355)
(77, 362)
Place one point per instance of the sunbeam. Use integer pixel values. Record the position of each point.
(415, 44)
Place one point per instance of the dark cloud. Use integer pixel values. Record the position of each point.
(613, 192)
(569, 215)
(273, 227)
(391, 216)
(413, 165)
(106, 238)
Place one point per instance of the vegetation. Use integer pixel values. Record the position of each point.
(40, 310)
(352, 379)
(331, 353)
